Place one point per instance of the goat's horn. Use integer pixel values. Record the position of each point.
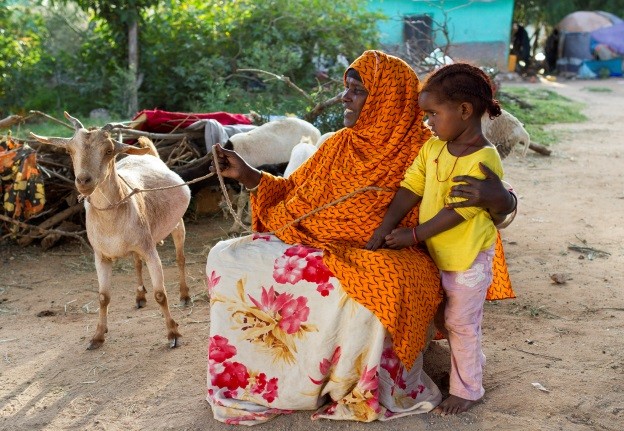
(57, 142)
(77, 124)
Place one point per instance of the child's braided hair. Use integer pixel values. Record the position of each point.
(462, 82)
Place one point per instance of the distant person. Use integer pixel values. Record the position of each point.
(551, 49)
(521, 46)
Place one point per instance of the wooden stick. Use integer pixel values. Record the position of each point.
(282, 78)
(10, 121)
(320, 107)
(49, 117)
(554, 358)
(50, 222)
(540, 149)
(77, 235)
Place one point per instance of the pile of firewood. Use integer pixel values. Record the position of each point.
(63, 215)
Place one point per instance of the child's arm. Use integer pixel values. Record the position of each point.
(404, 200)
(444, 220)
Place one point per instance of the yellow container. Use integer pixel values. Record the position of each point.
(513, 60)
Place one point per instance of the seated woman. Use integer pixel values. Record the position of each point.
(302, 317)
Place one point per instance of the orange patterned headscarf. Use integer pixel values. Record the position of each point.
(376, 151)
(401, 287)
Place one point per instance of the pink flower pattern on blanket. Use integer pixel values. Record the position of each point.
(234, 375)
(289, 311)
(303, 263)
(326, 365)
(391, 363)
(212, 281)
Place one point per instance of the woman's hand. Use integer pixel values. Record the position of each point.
(400, 238)
(232, 165)
(489, 193)
(377, 240)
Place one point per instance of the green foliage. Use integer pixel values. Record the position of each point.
(540, 107)
(598, 89)
(20, 53)
(192, 51)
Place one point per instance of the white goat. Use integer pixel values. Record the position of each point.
(505, 132)
(134, 226)
(299, 154)
(272, 142)
(323, 138)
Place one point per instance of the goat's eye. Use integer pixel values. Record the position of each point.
(109, 152)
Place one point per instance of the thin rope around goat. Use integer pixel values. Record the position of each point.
(229, 202)
(137, 190)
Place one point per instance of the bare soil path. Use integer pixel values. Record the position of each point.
(568, 337)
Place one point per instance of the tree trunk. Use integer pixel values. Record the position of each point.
(133, 68)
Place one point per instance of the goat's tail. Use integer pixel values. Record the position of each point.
(145, 142)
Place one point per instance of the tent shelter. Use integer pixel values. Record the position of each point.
(579, 35)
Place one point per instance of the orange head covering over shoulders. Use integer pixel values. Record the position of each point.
(376, 151)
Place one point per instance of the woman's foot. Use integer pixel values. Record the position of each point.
(454, 405)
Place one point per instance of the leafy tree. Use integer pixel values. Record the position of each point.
(123, 19)
(193, 50)
(192, 53)
(20, 52)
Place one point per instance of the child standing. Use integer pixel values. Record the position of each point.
(461, 240)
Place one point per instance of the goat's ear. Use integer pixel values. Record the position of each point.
(57, 142)
(77, 124)
(129, 149)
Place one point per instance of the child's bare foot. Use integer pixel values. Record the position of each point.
(454, 405)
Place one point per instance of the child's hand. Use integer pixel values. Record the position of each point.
(400, 238)
(377, 240)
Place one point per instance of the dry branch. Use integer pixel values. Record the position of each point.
(77, 235)
(320, 107)
(10, 121)
(540, 149)
(282, 78)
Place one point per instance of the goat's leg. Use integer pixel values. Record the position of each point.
(154, 267)
(104, 269)
(179, 236)
(140, 293)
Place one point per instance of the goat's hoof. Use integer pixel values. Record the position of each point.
(185, 302)
(141, 303)
(174, 342)
(95, 344)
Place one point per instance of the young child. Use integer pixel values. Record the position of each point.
(461, 240)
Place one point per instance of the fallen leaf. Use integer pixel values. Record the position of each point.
(540, 387)
(560, 278)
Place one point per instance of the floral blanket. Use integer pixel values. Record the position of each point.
(284, 336)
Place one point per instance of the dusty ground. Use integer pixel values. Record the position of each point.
(566, 337)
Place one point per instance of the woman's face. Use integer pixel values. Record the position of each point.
(353, 99)
(444, 118)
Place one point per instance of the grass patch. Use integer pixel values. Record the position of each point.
(598, 89)
(537, 107)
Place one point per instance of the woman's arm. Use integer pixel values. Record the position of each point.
(490, 193)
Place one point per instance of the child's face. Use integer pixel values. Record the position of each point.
(444, 118)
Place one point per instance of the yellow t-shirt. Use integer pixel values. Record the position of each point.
(456, 248)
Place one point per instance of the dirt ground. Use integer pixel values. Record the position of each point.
(566, 336)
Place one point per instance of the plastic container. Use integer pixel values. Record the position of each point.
(614, 66)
